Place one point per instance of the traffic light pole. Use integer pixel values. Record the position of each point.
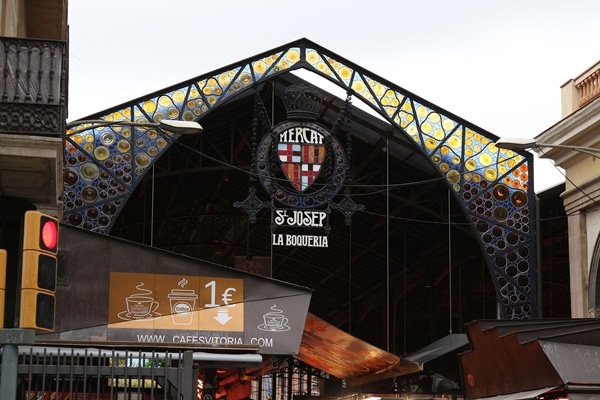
(10, 339)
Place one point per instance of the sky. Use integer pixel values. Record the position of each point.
(498, 64)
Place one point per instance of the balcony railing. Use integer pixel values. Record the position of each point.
(589, 87)
(33, 86)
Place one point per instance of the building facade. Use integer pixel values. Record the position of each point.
(33, 99)
(579, 127)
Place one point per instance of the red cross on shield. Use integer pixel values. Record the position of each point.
(301, 163)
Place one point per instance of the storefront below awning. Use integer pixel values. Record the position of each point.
(528, 394)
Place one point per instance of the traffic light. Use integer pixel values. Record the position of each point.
(2, 286)
(38, 272)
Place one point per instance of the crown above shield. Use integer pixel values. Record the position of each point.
(301, 103)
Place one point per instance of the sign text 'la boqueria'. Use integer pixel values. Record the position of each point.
(280, 239)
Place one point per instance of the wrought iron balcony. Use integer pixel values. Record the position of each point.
(33, 86)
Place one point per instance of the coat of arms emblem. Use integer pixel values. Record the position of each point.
(302, 148)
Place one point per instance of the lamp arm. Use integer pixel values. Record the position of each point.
(97, 123)
(582, 149)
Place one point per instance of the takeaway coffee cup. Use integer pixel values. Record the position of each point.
(183, 302)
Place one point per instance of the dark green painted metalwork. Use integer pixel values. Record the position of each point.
(103, 164)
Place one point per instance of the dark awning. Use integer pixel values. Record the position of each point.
(346, 357)
(519, 358)
(451, 343)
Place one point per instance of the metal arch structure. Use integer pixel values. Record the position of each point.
(103, 164)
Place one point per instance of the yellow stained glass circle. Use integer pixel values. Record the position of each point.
(490, 174)
(149, 106)
(173, 113)
(260, 67)
(434, 118)
(142, 159)
(178, 96)
(312, 57)
(426, 127)
(293, 55)
(454, 142)
(430, 143)
(164, 101)
(345, 73)
(448, 124)
(101, 153)
(358, 86)
(471, 165)
(123, 146)
(444, 167)
(245, 78)
(224, 79)
(485, 159)
(379, 89)
(453, 176)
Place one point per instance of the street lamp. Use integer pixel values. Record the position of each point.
(524, 144)
(174, 126)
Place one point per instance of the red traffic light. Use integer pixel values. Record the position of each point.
(39, 266)
(40, 232)
(49, 234)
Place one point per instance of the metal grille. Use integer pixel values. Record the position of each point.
(98, 374)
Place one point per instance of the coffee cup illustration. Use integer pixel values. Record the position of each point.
(139, 307)
(182, 302)
(274, 320)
